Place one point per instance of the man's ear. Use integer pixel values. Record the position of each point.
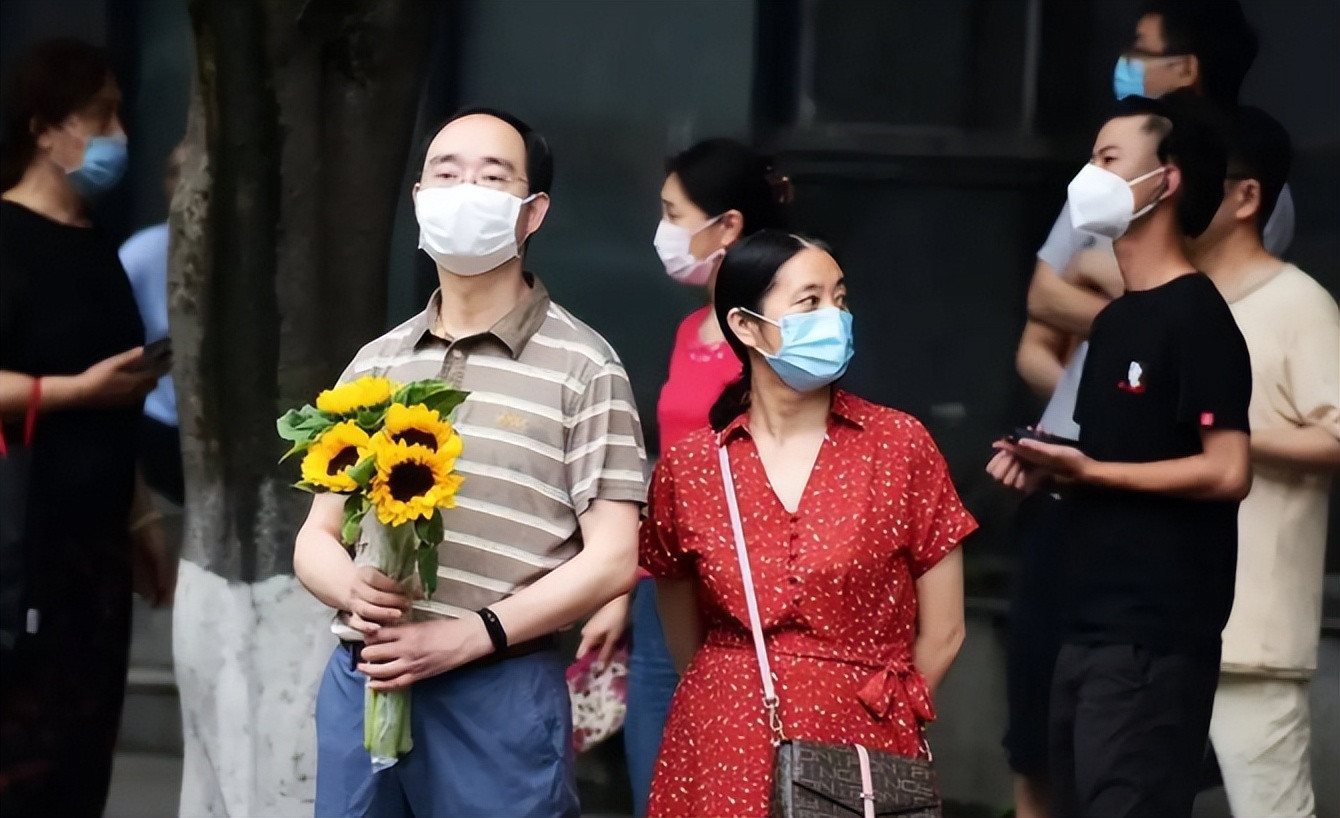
(536, 210)
(1189, 70)
(1247, 194)
(1172, 178)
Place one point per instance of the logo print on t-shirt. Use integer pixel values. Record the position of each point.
(1134, 375)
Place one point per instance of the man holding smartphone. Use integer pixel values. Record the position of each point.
(1155, 482)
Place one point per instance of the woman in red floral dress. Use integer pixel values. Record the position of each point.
(852, 526)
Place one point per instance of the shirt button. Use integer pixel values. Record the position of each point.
(457, 354)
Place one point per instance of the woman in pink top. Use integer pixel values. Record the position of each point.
(715, 193)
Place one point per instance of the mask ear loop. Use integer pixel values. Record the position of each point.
(1158, 196)
(762, 318)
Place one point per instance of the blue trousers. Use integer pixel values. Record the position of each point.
(489, 742)
(651, 683)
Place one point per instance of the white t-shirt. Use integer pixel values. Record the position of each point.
(1292, 327)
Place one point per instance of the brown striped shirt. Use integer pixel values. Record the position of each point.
(550, 426)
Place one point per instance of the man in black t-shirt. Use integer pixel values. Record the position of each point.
(1161, 465)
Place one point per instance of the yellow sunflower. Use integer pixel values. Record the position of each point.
(411, 482)
(331, 456)
(420, 426)
(348, 398)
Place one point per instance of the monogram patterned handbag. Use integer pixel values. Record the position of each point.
(816, 780)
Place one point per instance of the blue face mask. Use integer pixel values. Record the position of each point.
(1128, 78)
(816, 347)
(105, 160)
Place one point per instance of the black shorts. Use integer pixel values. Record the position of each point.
(1129, 730)
(1034, 636)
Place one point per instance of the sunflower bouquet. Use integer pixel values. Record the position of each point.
(391, 449)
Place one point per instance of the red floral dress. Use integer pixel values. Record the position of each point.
(836, 591)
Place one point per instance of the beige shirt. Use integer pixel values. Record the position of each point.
(1292, 328)
(549, 427)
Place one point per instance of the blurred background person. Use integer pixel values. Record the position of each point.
(1261, 728)
(71, 340)
(715, 193)
(145, 257)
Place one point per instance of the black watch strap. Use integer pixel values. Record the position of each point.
(497, 635)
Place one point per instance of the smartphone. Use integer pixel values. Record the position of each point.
(1024, 433)
(157, 349)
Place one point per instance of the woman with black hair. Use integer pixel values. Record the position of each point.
(715, 193)
(851, 525)
(73, 376)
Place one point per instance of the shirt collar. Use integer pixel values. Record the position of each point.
(514, 329)
(846, 410)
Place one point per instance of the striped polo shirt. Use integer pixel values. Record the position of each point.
(550, 426)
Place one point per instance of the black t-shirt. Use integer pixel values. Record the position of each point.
(65, 304)
(1150, 569)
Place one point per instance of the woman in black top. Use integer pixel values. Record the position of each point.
(70, 339)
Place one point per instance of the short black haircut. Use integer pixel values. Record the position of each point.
(1191, 139)
(1259, 148)
(1218, 34)
(539, 159)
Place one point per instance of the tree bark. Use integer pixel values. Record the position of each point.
(299, 129)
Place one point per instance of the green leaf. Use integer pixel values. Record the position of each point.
(427, 559)
(305, 424)
(434, 394)
(354, 510)
(363, 469)
(445, 403)
(429, 529)
(371, 419)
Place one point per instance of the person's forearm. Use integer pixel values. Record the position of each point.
(141, 502)
(1039, 368)
(1062, 305)
(575, 589)
(58, 392)
(1305, 448)
(323, 566)
(1198, 477)
(934, 652)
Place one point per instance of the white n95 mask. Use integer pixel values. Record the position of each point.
(467, 229)
(1101, 202)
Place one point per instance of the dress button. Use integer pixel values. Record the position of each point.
(793, 579)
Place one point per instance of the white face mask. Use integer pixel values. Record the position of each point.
(467, 229)
(1101, 202)
(672, 245)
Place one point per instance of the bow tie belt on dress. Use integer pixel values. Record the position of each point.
(889, 681)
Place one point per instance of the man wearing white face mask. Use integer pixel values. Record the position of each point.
(543, 532)
(1154, 485)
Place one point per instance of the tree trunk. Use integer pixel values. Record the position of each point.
(299, 128)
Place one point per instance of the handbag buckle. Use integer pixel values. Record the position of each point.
(774, 720)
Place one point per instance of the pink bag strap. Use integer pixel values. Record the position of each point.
(751, 601)
(867, 782)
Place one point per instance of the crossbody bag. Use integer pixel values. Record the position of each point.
(812, 779)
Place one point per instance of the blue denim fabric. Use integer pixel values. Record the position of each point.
(651, 682)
